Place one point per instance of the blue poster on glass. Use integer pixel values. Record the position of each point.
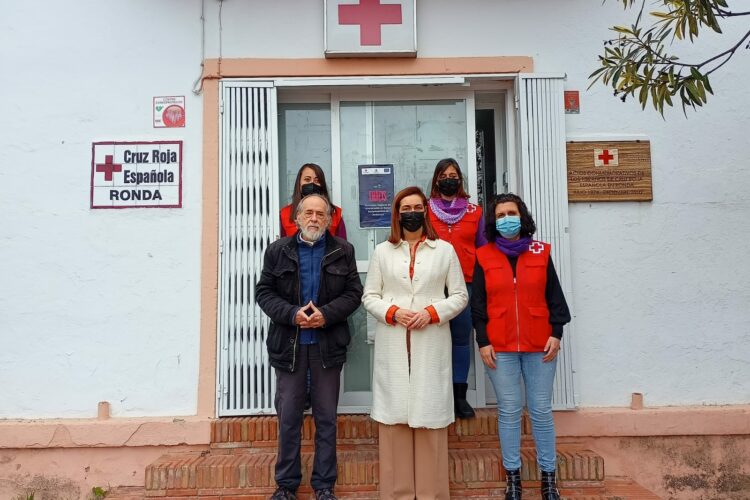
(375, 195)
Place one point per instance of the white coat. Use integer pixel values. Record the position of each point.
(424, 397)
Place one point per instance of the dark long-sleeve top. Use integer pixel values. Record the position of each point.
(559, 313)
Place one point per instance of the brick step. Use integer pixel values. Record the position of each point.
(251, 472)
(614, 489)
(353, 431)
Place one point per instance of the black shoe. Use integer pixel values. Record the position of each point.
(325, 494)
(461, 407)
(513, 488)
(283, 493)
(549, 486)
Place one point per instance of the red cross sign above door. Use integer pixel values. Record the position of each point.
(370, 28)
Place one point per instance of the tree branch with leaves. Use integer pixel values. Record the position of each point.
(637, 62)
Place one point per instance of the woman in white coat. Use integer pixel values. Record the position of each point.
(412, 381)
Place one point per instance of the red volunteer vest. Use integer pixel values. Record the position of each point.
(462, 235)
(517, 311)
(288, 227)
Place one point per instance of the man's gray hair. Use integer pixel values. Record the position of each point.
(314, 195)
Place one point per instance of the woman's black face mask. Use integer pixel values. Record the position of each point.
(449, 186)
(310, 188)
(411, 221)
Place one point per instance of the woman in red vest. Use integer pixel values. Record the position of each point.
(518, 309)
(310, 179)
(461, 224)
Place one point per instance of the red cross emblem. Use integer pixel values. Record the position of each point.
(108, 167)
(536, 247)
(605, 156)
(370, 15)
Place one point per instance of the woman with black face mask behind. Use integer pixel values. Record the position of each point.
(461, 224)
(414, 287)
(310, 180)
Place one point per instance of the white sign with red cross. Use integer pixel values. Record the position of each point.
(370, 28)
(136, 174)
(606, 158)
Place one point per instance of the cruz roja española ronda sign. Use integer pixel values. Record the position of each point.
(136, 174)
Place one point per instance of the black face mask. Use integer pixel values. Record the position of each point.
(411, 221)
(310, 188)
(448, 187)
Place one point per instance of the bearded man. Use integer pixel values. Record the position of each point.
(308, 288)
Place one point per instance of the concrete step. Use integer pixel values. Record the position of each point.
(127, 493)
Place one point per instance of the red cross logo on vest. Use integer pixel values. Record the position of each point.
(370, 27)
(536, 247)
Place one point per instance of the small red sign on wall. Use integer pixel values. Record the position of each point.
(169, 111)
(572, 102)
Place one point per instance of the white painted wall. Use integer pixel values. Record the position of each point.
(104, 305)
(95, 304)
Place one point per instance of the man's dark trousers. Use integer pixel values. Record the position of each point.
(290, 402)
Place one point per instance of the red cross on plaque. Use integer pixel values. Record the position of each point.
(605, 156)
(108, 167)
(370, 15)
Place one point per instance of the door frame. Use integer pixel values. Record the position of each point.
(463, 87)
(403, 89)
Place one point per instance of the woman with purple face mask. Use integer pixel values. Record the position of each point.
(461, 224)
(518, 309)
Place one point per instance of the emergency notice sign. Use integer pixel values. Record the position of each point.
(169, 111)
(136, 174)
(375, 195)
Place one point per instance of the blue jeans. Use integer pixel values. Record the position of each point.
(461, 327)
(510, 368)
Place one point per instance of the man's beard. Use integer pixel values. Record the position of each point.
(313, 234)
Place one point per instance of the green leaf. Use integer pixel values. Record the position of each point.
(701, 90)
(693, 91)
(643, 96)
(622, 29)
(707, 85)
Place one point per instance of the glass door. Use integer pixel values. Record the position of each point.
(412, 135)
(403, 129)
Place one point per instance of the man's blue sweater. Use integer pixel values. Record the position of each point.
(310, 258)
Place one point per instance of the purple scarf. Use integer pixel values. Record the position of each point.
(450, 212)
(513, 248)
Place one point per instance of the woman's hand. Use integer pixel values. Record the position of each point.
(551, 349)
(419, 320)
(403, 316)
(488, 356)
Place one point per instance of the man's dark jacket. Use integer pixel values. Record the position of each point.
(278, 295)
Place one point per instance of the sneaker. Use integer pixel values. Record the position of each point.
(282, 493)
(325, 494)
